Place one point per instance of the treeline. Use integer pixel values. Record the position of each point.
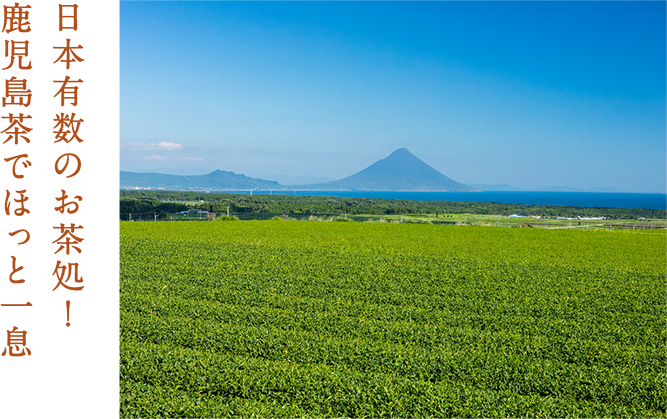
(162, 202)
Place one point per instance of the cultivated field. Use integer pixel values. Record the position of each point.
(287, 319)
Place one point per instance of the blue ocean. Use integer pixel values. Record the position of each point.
(578, 199)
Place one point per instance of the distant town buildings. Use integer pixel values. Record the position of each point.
(193, 211)
(582, 218)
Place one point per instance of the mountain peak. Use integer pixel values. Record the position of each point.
(401, 152)
(400, 171)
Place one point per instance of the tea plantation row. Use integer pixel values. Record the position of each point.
(286, 319)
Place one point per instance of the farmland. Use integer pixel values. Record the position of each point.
(286, 319)
(162, 203)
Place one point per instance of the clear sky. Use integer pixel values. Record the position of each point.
(526, 93)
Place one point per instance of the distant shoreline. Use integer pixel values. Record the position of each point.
(287, 190)
(578, 199)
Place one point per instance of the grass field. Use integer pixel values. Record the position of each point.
(504, 221)
(287, 319)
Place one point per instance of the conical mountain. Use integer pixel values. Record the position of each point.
(400, 171)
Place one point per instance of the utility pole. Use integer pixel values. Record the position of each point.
(227, 210)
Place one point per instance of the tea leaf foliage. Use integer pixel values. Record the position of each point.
(293, 319)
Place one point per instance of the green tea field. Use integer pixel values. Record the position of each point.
(324, 319)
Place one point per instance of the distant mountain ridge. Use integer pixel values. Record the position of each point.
(218, 180)
(400, 171)
(293, 180)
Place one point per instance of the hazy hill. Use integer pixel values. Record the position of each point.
(218, 180)
(293, 180)
(559, 189)
(486, 187)
(400, 171)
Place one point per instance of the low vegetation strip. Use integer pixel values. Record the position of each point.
(285, 319)
(164, 202)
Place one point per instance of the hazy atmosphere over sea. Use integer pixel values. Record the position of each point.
(530, 94)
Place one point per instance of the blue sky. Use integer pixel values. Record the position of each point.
(525, 93)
